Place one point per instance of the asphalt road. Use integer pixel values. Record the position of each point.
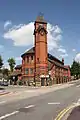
(43, 107)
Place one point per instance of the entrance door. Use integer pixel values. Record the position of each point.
(42, 81)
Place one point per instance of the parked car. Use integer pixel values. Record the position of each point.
(3, 82)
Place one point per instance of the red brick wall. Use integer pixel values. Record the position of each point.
(28, 65)
(41, 61)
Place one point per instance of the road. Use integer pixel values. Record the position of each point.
(43, 107)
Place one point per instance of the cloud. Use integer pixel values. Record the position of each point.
(7, 23)
(64, 55)
(77, 58)
(62, 50)
(54, 36)
(73, 50)
(22, 35)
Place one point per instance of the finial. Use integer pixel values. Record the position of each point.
(41, 16)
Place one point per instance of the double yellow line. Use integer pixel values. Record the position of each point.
(63, 112)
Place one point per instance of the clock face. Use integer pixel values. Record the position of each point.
(42, 32)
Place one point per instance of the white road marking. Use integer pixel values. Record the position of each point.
(7, 115)
(13, 113)
(54, 103)
(30, 106)
(78, 86)
(79, 100)
(2, 102)
(77, 103)
(30, 91)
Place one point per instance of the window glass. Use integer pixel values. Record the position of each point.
(27, 71)
(31, 70)
(27, 59)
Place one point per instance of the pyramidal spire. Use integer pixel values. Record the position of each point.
(40, 18)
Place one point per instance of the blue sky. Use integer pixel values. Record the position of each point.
(16, 27)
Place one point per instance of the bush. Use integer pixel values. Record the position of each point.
(20, 82)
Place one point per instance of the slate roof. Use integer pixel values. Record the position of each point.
(51, 58)
(57, 64)
(41, 19)
(18, 66)
(30, 51)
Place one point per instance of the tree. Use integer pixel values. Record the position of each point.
(75, 69)
(1, 62)
(5, 71)
(12, 63)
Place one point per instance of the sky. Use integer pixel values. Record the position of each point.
(17, 19)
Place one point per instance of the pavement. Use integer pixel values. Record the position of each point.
(75, 114)
(41, 103)
(3, 92)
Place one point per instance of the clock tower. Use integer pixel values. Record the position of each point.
(40, 43)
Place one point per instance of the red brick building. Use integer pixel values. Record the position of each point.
(38, 65)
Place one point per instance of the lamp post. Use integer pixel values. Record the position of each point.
(34, 78)
(49, 74)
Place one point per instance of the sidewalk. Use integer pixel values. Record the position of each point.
(3, 92)
(19, 90)
(54, 85)
(75, 114)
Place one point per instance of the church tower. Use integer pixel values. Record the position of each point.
(40, 43)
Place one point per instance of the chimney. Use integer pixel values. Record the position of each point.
(63, 61)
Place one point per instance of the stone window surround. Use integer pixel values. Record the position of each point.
(29, 71)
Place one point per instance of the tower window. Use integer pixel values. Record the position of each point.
(37, 59)
(27, 59)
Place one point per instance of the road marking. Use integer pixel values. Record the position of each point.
(54, 103)
(7, 115)
(30, 91)
(78, 86)
(2, 102)
(63, 112)
(30, 106)
(13, 113)
(78, 102)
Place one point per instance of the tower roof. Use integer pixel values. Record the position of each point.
(40, 18)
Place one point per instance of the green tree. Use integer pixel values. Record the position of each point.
(1, 63)
(12, 63)
(5, 71)
(75, 69)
